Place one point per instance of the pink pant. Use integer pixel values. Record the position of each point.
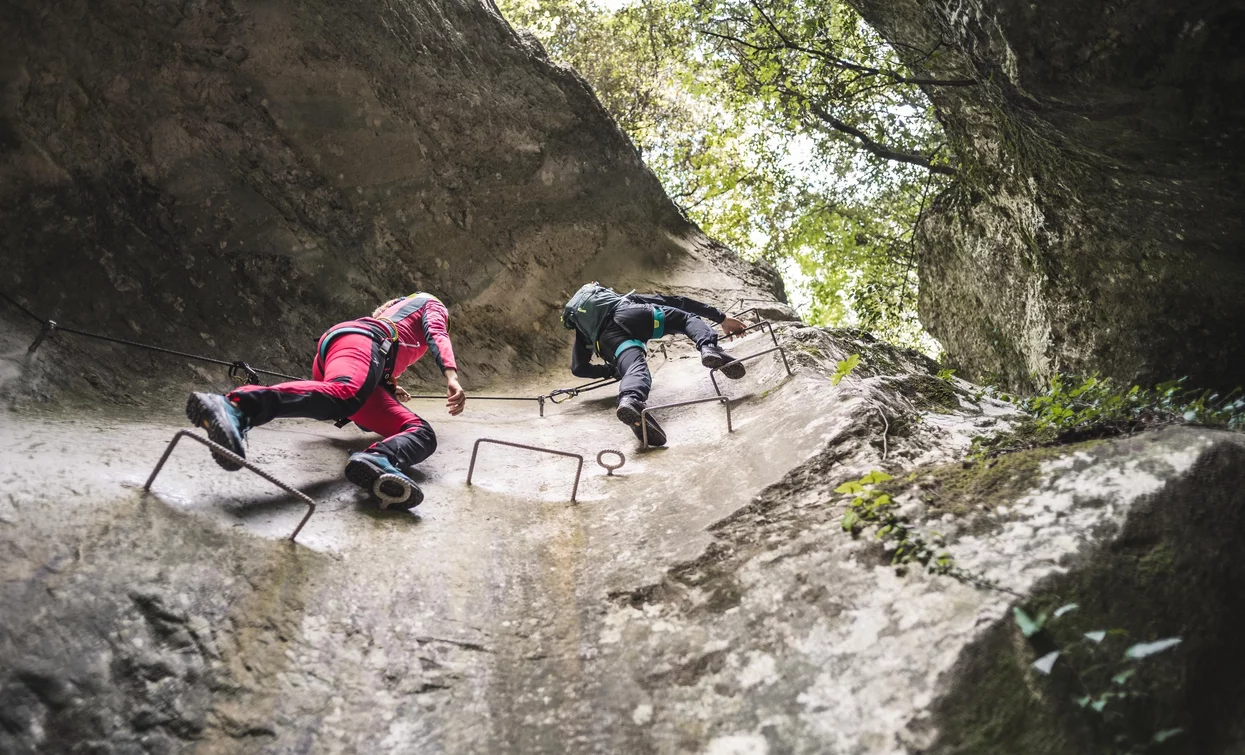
(345, 384)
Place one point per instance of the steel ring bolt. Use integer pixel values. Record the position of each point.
(611, 467)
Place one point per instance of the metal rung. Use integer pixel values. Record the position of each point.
(476, 449)
(781, 352)
(762, 325)
(311, 505)
(737, 315)
(730, 427)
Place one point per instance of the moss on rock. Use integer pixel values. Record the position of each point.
(1176, 569)
(974, 487)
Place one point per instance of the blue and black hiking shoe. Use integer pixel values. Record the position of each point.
(712, 355)
(377, 475)
(225, 423)
(630, 411)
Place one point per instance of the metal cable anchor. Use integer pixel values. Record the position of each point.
(609, 468)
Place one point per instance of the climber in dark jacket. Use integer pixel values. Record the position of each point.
(622, 325)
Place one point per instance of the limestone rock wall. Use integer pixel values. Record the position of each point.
(231, 178)
(1096, 225)
(704, 599)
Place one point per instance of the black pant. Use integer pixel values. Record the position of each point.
(635, 322)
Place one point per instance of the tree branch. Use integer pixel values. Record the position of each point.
(878, 149)
(852, 65)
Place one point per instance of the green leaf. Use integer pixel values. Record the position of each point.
(1096, 636)
(1146, 649)
(849, 521)
(850, 487)
(1124, 676)
(1061, 610)
(1162, 736)
(844, 368)
(1028, 625)
(1099, 704)
(1046, 662)
(876, 476)
(1083, 701)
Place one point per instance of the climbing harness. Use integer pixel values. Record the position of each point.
(609, 468)
(476, 450)
(221, 450)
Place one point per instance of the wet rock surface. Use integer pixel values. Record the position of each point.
(1095, 223)
(703, 599)
(230, 179)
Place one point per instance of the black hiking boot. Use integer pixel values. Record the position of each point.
(377, 475)
(630, 412)
(712, 355)
(225, 423)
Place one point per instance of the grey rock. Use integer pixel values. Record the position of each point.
(705, 599)
(1092, 223)
(231, 180)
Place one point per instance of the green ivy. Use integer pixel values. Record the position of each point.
(844, 368)
(1109, 677)
(870, 506)
(1080, 408)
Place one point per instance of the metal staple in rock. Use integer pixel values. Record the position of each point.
(781, 352)
(746, 311)
(475, 449)
(730, 427)
(230, 455)
(779, 349)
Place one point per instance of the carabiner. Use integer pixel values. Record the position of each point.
(236, 371)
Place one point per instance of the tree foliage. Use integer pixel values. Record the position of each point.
(787, 129)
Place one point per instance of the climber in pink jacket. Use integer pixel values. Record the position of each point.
(353, 359)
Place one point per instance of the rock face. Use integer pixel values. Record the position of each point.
(1097, 221)
(232, 178)
(704, 599)
(241, 175)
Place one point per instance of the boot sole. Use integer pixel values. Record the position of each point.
(733, 369)
(209, 415)
(631, 418)
(393, 492)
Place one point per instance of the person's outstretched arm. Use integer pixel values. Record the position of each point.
(581, 360)
(436, 334)
(713, 314)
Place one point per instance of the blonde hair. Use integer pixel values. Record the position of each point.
(380, 310)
